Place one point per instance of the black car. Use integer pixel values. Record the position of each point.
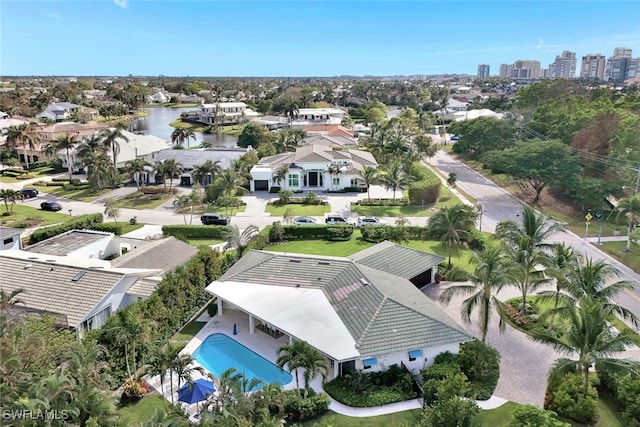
(50, 206)
(28, 193)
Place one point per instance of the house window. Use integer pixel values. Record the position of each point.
(7, 241)
(368, 363)
(294, 180)
(336, 180)
(414, 354)
(354, 182)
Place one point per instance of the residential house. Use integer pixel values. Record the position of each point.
(329, 130)
(189, 159)
(59, 111)
(330, 141)
(308, 169)
(474, 114)
(10, 238)
(225, 113)
(157, 98)
(363, 313)
(304, 117)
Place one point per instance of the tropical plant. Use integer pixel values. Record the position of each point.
(395, 177)
(280, 174)
(492, 273)
(630, 208)
(292, 355)
(207, 172)
(334, 170)
(111, 209)
(240, 240)
(183, 202)
(159, 362)
(111, 139)
(129, 330)
(182, 366)
(25, 134)
(453, 225)
(137, 168)
(230, 182)
(66, 142)
(180, 135)
(171, 169)
(9, 197)
(8, 299)
(369, 176)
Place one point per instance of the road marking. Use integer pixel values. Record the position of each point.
(632, 295)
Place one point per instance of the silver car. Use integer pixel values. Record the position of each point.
(304, 220)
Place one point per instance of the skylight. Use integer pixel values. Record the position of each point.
(78, 276)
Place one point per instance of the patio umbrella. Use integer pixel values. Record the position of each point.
(196, 391)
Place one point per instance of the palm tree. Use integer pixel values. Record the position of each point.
(90, 146)
(182, 366)
(208, 168)
(334, 170)
(66, 142)
(395, 177)
(230, 182)
(159, 171)
(25, 134)
(280, 173)
(628, 208)
(369, 176)
(528, 249)
(240, 241)
(129, 331)
(292, 356)
(451, 181)
(137, 168)
(111, 209)
(159, 363)
(180, 135)
(8, 299)
(453, 225)
(492, 273)
(9, 196)
(292, 109)
(314, 364)
(564, 260)
(183, 201)
(171, 170)
(110, 139)
(588, 336)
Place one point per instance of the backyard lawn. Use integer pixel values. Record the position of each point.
(204, 242)
(26, 217)
(409, 210)
(143, 410)
(399, 419)
(298, 209)
(187, 332)
(83, 195)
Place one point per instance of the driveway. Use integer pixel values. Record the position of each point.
(524, 364)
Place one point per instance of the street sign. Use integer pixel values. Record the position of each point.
(588, 216)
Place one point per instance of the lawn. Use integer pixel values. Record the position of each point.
(298, 209)
(619, 251)
(189, 331)
(143, 410)
(33, 173)
(33, 217)
(498, 417)
(399, 419)
(126, 226)
(324, 247)
(204, 242)
(461, 260)
(83, 195)
(408, 210)
(143, 201)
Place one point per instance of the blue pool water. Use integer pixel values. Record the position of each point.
(218, 352)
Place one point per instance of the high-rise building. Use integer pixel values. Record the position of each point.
(564, 66)
(633, 69)
(592, 66)
(526, 69)
(617, 66)
(505, 70)
(483, 71)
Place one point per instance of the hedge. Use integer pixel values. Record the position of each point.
(387, 232)
(77, 223)
(278, 232)
(195, 231)
(381, 202)
(426, 188)
(158, 190)
(300, 408)
(109, 227)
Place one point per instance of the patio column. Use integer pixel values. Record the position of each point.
(290, 340)
(251, 324)
(336, 369)
(219, 300)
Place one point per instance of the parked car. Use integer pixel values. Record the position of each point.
(28, 193)
(370, 220)
(304, 220)
(339, 220)
(50, 206)
(215, 218)
(453, 138)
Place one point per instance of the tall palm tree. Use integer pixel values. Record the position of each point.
(239, 241)
(492, 273)
(528, 248)
(9, 197)
(183, 201)
(159, 362)
(291, 355)
(129, 331)
(292, 109)
(453, 225)
(180, 135)
(564, 260)
(137, 168)
(209, 168)
(111, 139)
(395, 177)
(588, 336)
(25, 134)
(629, 208)
(171, 170)
(369, 176)
(89, 146)
(66, 142)
(314, 364)
(159, 171)
(230, 182)
(334, 170)
(280, 173)
(182, 366)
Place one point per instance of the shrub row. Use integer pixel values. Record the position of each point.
(195, 231)
(382, 202)
(426, 187)
(300, 408)
(279, 232)
(625, 390)
(51, 183)
(77, 223)
(109, 227)
(400, 232)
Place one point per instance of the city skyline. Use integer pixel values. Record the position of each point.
(308, 38)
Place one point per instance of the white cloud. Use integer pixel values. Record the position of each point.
(121, 3)
(540, 44)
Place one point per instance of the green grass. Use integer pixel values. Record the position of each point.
(462, 259)
(409, 210)
(204, 242)
(143, 201)
(498, 417)
(188, 331)
(307, 210)
(143, 410)
(324, 247)
(36, 217)
(128, 228)
(619, 251)
(399, 419)
(84, 195)
(33, 173)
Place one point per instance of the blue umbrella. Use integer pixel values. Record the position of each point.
(196, 391)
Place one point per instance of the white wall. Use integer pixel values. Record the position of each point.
(94, 250)
(428, 354)
(12, 242)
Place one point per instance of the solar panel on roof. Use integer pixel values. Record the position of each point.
(78, 276)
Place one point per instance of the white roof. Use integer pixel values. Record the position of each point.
(145, 145)
(224, 104)
(303, 111)
(304, 313)
(474, 114)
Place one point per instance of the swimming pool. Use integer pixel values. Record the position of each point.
(218, 352)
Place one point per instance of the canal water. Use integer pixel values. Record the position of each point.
(156, 123)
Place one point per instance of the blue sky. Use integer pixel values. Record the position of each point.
(302, 38)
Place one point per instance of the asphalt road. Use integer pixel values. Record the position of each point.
(499, 205)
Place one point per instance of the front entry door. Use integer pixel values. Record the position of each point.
(313, 179)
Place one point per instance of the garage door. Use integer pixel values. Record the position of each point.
(261, 185)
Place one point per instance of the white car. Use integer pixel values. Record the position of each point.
(339, 220)
(370, 220)
(304, 220)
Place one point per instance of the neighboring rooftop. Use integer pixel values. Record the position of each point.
(68, 242)
(191, 158)
(6, 232)
(165, 254)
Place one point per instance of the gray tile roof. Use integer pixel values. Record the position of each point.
(9, 232)
(144, 287)
(49, 286)
(70, 241)
(382, 311)
(165, 254)
(191, 158)
(395, 259)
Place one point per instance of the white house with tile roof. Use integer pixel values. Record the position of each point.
(308, 169)
(305, 117)
(361, 312)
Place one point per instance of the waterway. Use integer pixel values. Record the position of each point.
(156, 123)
